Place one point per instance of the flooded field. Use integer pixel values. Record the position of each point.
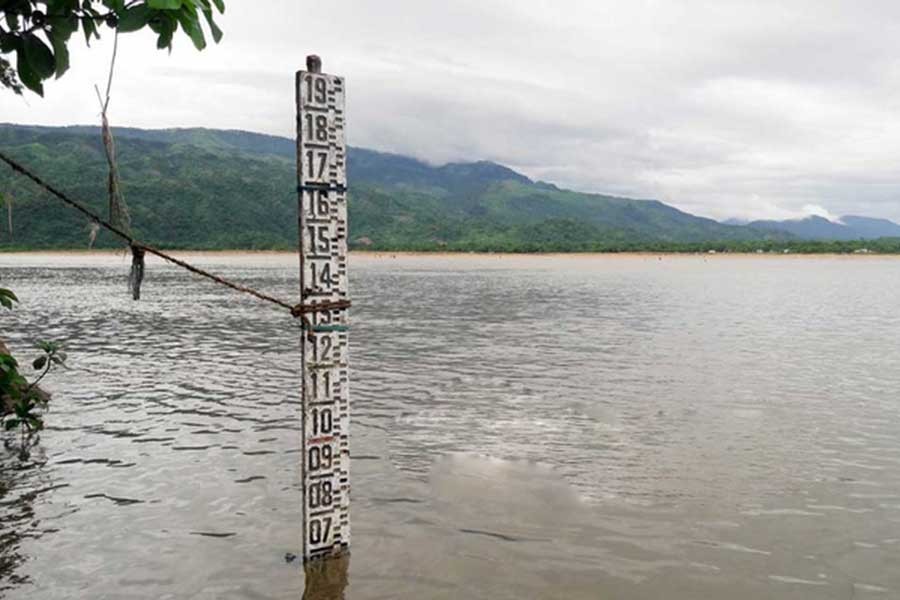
(523, 427)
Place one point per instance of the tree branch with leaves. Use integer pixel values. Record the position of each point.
(22, 402)
(38, 32)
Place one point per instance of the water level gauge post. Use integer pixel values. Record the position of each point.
(322, 210)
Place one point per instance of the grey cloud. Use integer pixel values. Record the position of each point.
(723, 108)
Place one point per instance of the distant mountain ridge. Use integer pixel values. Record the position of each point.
(850, 227)
(208, 188)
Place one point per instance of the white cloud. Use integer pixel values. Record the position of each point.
(723, 108)
(820, 211)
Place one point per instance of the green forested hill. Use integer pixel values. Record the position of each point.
(200, 188)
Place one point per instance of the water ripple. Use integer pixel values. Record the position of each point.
(626, 417)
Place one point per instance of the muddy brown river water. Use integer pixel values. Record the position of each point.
(633, 427)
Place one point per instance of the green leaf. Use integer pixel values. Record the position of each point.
(220, 4)
(134, 18)
(216, 32)
(48, 347)
(191, 26)
(35, 423)
(89, 30)
(8, 42)
(10, 424)
(64, 26)
(39, 56)
(61, 6)
(164, 40)
(27, 76)
(7, 298)
(165, 27)
(60, 53)
(39, 362)
(165, 4)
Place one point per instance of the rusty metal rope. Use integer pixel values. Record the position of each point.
(297, 310)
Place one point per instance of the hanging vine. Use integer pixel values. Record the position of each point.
(119, 215)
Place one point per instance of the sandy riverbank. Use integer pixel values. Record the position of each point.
(443, 254)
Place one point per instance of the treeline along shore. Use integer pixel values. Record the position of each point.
(882, 247)
(202, 189)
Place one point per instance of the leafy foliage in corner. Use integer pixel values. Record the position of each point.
(39, 31)
(22, 402)
(7, 297)
(8, 77)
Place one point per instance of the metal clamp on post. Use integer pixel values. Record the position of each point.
(321, 187)
(303, 309)
(299, 311)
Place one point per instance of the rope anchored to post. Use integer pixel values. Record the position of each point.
(302, 309)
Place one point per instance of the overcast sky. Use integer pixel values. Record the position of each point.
(745, 109)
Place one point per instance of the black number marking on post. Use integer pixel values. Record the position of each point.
(316, 90)
(320, 238)
(319, 457)
(326, 381)
(323, 421)
(317, 205)
(325, 353)
(322, 279)
(321, 494)
(321, 206)
(322, 318)
(316, 163)
(321, 128)
(319, 528)
(316, 128)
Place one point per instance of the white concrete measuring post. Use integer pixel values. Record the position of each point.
(322, 201)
